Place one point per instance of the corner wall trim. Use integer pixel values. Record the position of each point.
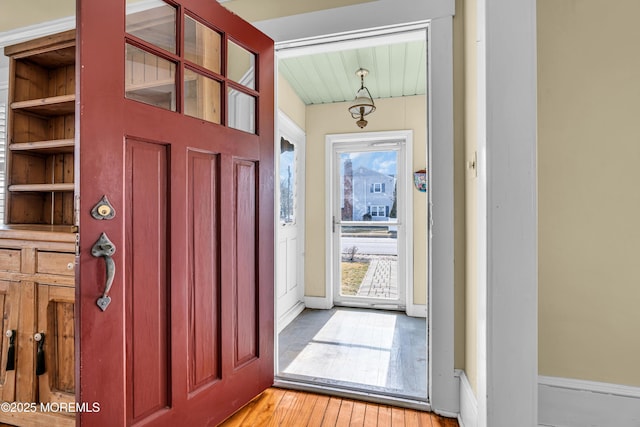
(468, 403)
(573, 403)
(290, 315)
(417, 310)
(37, 30)
(321, 303)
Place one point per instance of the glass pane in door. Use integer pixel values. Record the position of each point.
(153, 21)
(287, 181)
(201, 96)
(150, 78)
(202, 45)
(369, 227)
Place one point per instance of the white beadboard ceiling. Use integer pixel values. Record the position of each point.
(395, 69)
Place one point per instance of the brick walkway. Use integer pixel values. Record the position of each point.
(381, 279)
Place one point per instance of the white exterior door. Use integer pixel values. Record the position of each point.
(370, 213)
(290, 228)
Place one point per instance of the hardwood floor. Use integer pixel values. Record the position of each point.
(288, 408)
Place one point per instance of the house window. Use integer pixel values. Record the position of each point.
(377, 187)
(378, 211)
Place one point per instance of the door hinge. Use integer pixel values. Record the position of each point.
(76, 210)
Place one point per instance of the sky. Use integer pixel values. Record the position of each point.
(385, 162)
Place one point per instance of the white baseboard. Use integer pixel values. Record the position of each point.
(289, 315)
(417, 310)
(321, 303)
(564, 402)
(468, 416)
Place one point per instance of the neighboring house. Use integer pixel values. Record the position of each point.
(368, 195)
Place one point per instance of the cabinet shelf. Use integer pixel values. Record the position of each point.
(41, 187)
(51, 106)
(49, 146)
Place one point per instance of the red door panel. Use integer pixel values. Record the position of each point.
(147, 311)
(188, 336)
(244, 259)
(204, 270)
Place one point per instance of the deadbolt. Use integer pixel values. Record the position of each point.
(103, 209)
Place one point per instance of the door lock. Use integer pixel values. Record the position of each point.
(103, 209)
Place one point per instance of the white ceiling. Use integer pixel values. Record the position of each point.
(326, 72)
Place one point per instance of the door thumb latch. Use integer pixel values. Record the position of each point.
(105, 248)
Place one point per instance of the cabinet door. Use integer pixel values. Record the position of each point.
(9, 300)
(56, 382)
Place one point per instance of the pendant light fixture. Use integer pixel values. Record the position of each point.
(363, 104)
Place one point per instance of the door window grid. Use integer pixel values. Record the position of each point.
(214, 62)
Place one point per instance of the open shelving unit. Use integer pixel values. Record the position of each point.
(38, 240)
(41, 132)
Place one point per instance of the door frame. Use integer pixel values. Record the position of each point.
(364, 141)
(338, 25)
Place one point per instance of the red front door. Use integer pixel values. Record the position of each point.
(176, 130)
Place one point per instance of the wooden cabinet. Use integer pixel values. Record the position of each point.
(37, 292)
(38, 244)
(41, 129)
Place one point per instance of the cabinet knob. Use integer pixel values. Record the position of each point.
(9, 333)
(37, 337)
(70, 266)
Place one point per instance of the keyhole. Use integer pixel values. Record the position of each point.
(104, 210)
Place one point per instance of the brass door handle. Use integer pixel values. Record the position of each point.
(105, 248)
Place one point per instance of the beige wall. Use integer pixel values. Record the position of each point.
(588, 189)
(391, 114)
(290, 103)
(17, 14)
(257, 10)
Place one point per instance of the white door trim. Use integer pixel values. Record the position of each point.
(443, 385)
(507, 323)
(366, 141)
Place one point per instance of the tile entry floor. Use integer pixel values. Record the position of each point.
(372, 350)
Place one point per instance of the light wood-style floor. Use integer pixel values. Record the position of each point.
(375, 351)
(288, 408)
